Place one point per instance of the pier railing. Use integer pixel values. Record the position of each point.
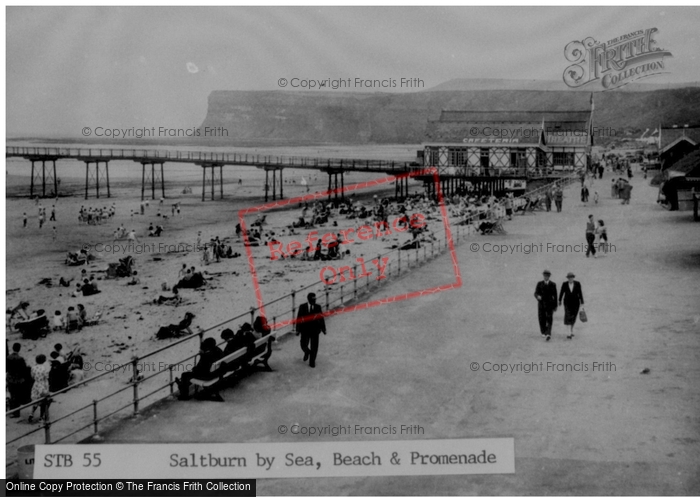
(151, 377)
(271, 161)
(209, 158)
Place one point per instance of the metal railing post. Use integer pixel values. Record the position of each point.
(354, 281)
(294, 325)
(135, 379)
(94, 416)
(47, 421)
(172, 389)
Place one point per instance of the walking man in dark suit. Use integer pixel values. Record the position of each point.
(590, 237)
(558, 198)
(310, 324)
(546, 295)
(572, 295)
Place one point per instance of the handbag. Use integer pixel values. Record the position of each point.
(582, 315)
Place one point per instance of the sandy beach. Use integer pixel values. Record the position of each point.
(129, 317)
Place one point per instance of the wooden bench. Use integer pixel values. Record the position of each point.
(222, 369)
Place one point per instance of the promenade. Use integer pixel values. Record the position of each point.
(608, 431)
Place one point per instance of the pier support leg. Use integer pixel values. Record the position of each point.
(55, 180)
(281, 185)
(267, 183)
(329, 186)
(31, 185)
(336, 186)
(109, 192)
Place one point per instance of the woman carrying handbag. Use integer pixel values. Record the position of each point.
(572, 296)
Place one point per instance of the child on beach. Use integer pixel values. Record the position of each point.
(602, 233)
(58, 322)
(24, 220)
(595, 197)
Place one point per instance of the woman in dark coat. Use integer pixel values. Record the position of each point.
(572, 295)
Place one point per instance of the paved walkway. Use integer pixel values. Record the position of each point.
(602, 432)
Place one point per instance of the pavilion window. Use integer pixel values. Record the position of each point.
(434, 157)
(485, 157)
(563, 158)
(458, 156)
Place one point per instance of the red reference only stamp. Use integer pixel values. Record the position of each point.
(340, 239)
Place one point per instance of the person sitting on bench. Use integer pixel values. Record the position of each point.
(245, 338)
(209, 353)
(241, 340)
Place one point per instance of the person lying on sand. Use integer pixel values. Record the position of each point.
(173, 299)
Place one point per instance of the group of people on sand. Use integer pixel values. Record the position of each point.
(121, 233)
(95, 215)
(74, 320)
(86, 287)
(155, 230)
(215, 250)
(186, 278)
(41, 216)
(26, 384)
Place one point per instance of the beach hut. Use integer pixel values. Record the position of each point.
(680, 180)
(676, 143)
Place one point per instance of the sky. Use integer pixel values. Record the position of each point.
(71, 67)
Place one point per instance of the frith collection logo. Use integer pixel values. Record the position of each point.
(615, 63)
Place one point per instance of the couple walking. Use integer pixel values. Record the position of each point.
(546, 294)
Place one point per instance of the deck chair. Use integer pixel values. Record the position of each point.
(497, 228)
(95, 320)
(525, 207)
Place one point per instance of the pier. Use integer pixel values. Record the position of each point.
(44, 181)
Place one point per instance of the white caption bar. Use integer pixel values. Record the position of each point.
(277, 460)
